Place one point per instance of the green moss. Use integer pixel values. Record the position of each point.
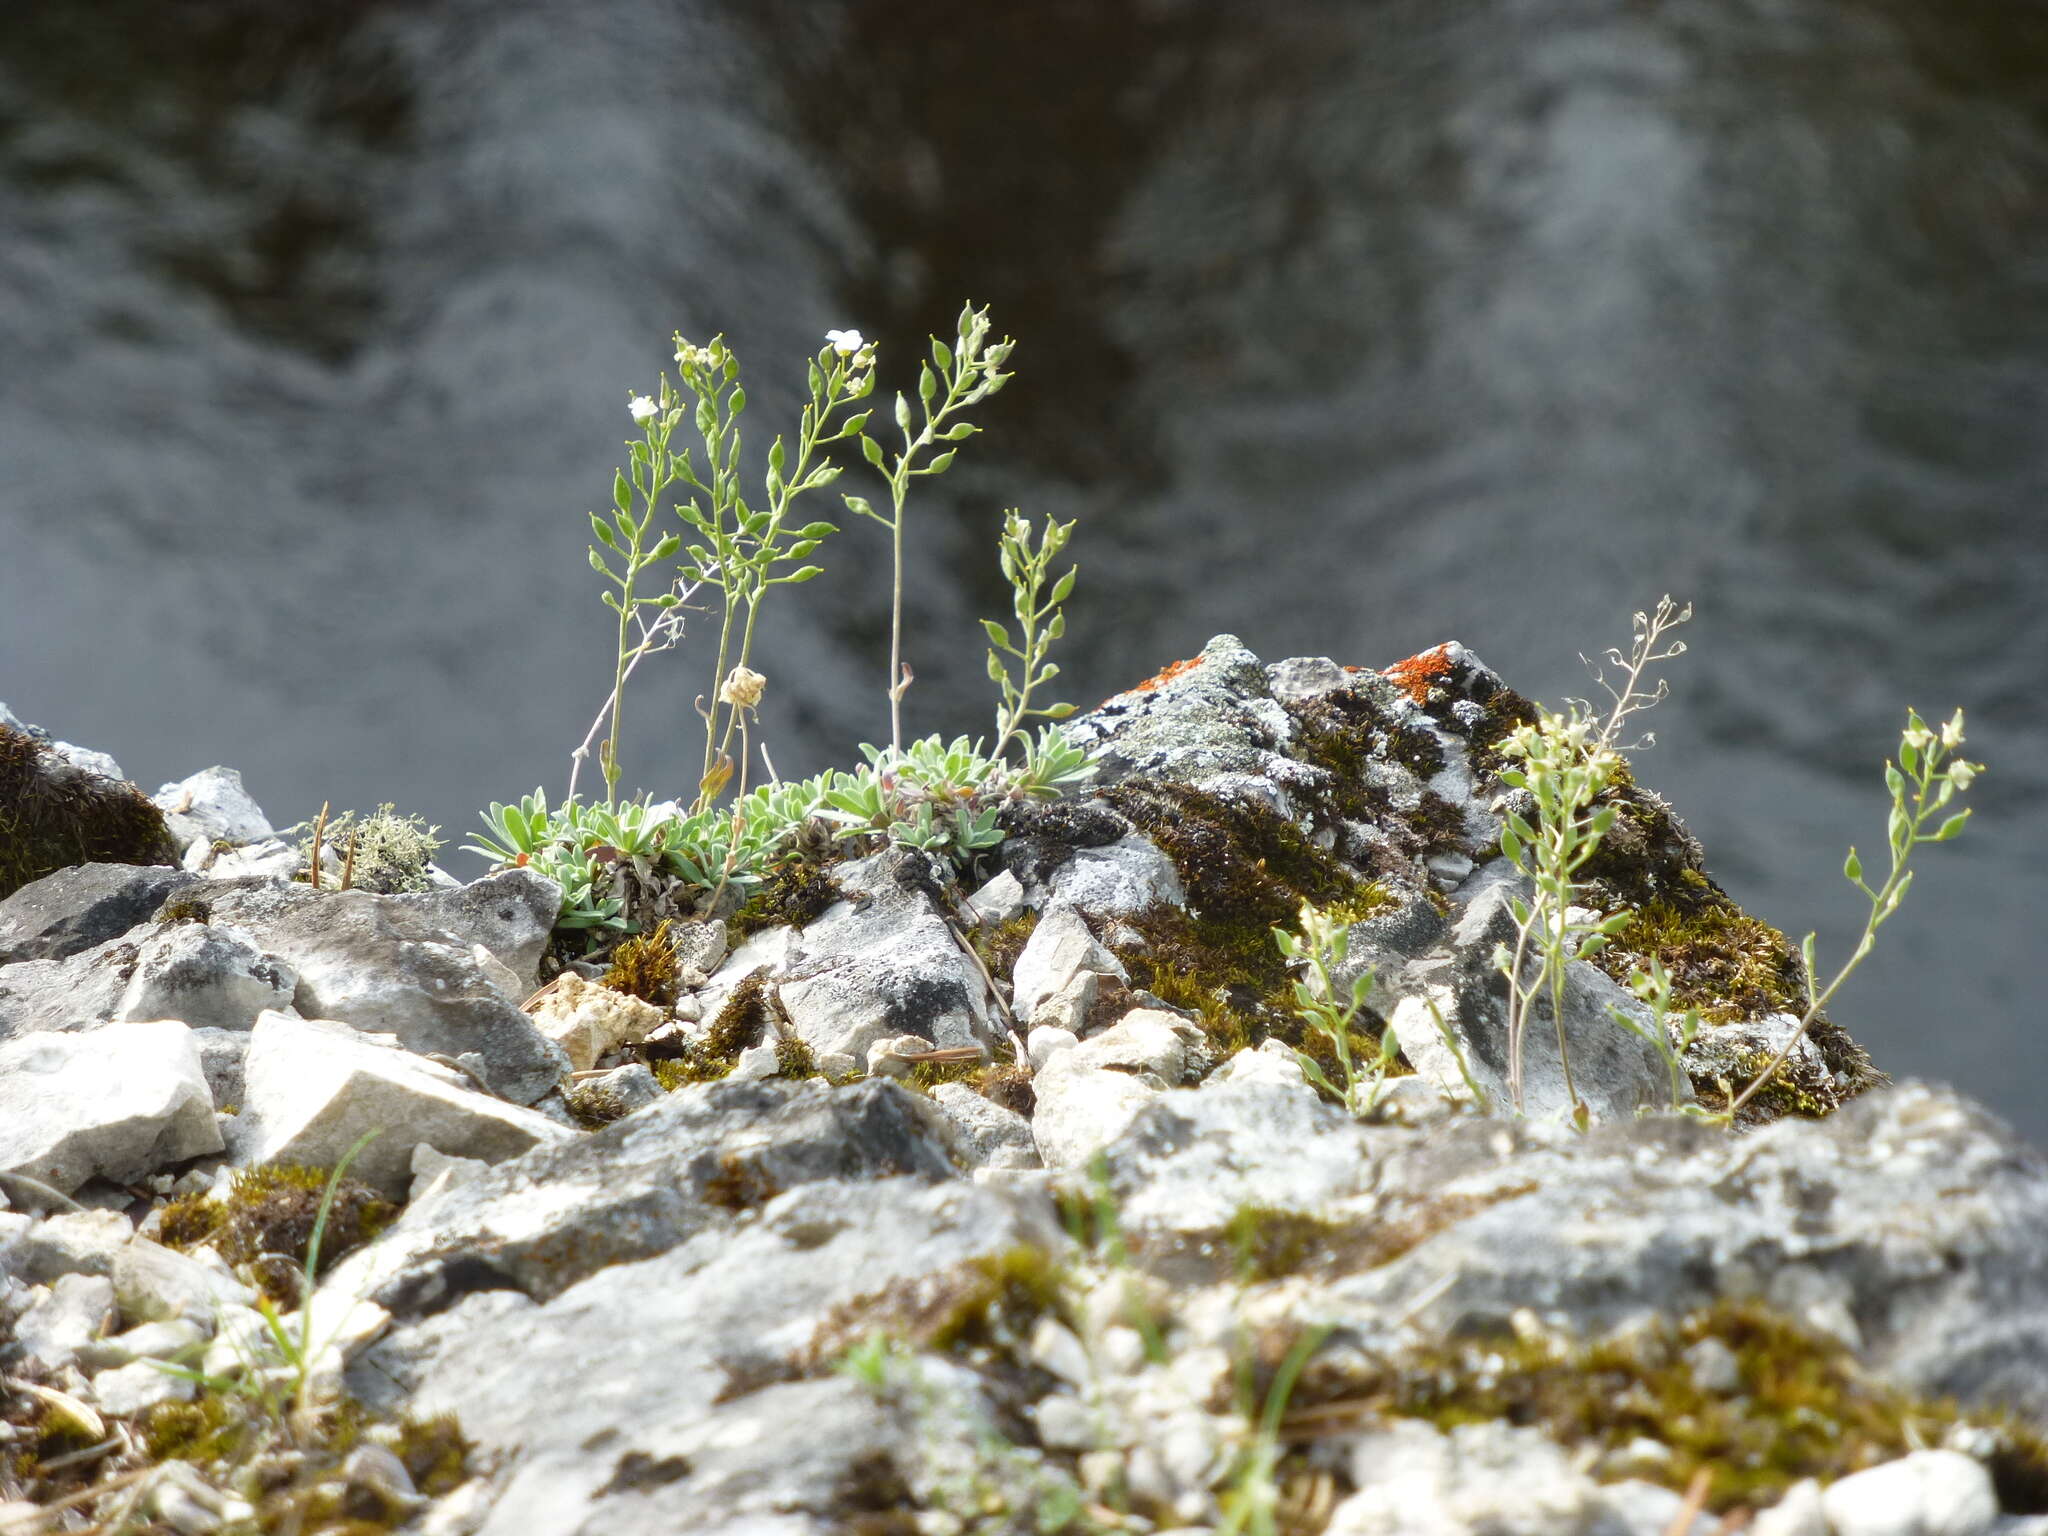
(741, 1025)
(53, 815)
(1722, 961)
(796, 892)
(266, 1223)
(208, 1428)
(645, 967)
(1000, 944)
(1803, 1408)
(793, 1059)
(184, 910)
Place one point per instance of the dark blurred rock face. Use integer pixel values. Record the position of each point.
(1347, 328)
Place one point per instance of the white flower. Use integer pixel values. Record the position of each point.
(642, 408)
(743, 688)
(845, 343)
(688, 356)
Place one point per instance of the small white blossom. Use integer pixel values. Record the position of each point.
(846, 343)
(643, 408)
(689, 356)
(743, 688)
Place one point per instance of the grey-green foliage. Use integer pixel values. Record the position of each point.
(391, 855)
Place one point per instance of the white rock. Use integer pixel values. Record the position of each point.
(157, 1284)
(1060, 947)
(206, 977)
(1067, 1008)
(590, 1021)
(212, 804)
(1801, 1512)
(1046, 1041)
(269, 859)
(998, 901)
(756, 1064)
(72, 1312)
(996, 1137)
(316, 1087)
(81, 1242)
(1088, 1094)
(137, 1387)
(434, 1170)
(1928, 1493)
(1272, 1062)
(886, 1057)
(116, 1102)
(1125, 878)
(150, 1341)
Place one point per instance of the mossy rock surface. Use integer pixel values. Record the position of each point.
(53, 815)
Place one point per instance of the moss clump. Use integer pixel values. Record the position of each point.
(184, 910)
(1722, 961)
(266, 1224)
(54, 815)
(741, 1025)
(1000, 944)
(210, 1427)
(1802, 1409)
(794, 1059)
(796, 892)
(645, 967)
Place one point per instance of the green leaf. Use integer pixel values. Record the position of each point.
(597, 564)
(942, 355)
(927, 383)
(775, 456)
(738, 402)
(816, 530)
(1806, 955)
(1062, 587)
(902, 413)
(1909, 757)
(1057, 711)
(1057, 627)
(938, 465)
(871, 450)
(1511, 846)
(1852, 868)
(668, 546)
(997, 634)
(859, 505)
(604, 534)
(958, 431)
(997, 672)
(804, 573)
(622, 493)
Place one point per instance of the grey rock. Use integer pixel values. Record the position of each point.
(1615, 1073)
(1000, 900)
(709, 1422)
(1088, 1094)
(1119, 879)
(1060, 948)
(212, 805)
(73, 1242)
(401, 965)
(149, 1341)
(126, 1390)
(157, 1284)
(75, 1310)
(1414, 1480)
(630, 1088)
(991, 1136)
(207, 977)
(118, 1102)
(69, 994)
(642, 1186)
(75, 909)
(1928, 1493)
(314, 1087)
(222, 1053)
(885, 963)
(1215, 715)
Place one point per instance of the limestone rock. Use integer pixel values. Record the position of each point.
(80, 907)
(314, 1087)
(117, 1102)
(1929, 1493)
(206, 977)
(212, 806)
(589, 1021)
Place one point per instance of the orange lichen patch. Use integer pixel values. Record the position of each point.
(1166, 675)
(1418, 674)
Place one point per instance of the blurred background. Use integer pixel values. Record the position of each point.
(1347, 328)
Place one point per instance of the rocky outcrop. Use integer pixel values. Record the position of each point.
(1095, 1243)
